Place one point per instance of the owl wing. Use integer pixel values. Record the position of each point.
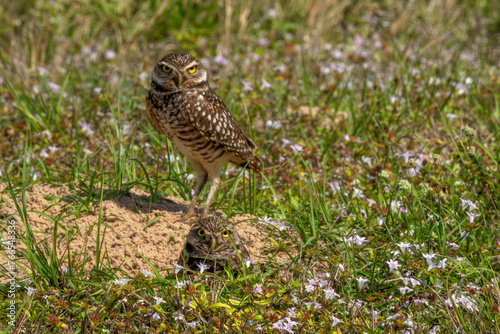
(150, 113)
(209, 115)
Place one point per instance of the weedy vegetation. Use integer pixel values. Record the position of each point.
(378, 124)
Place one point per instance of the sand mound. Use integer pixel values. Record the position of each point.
(123, 227)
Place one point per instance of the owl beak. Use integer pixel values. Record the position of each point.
(179, 80)
(213, 244)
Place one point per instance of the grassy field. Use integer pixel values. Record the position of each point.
(379, 129)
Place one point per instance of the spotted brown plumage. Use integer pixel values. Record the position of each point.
(213, 243)
(181, 105)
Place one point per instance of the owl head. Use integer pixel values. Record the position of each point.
(213, 242)
(178, 72)
(212, 238)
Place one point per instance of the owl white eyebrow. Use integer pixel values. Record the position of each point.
(190, 65)
(165, 63)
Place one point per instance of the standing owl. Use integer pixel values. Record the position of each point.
(181, 105)
(213, 243)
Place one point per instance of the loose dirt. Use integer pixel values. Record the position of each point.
(123, 230)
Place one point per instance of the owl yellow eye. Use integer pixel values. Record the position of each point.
(225, 234)
(201, 233)
(192, 69)
(166, 69)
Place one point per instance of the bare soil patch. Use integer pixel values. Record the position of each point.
(123, 232)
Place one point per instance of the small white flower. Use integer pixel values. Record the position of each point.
(330, 294)
(263, 41)
(86, 128)
(472, 216)
(265, 84)
(34, 173)
(393, 264)
(285, 325)
(451, 117)
(42, 71)
(281, 226)
(248, 262)
(180, 284)
(121, 281)
(367, 160)
(54, 87)
(442, 264)
(192, 324)
(405, 184)
(405, 290)
(312, 281)
(357, 193)
(412, 172)
(371, 202)
(336, 321)
(309, 288)
(322, 283)
(258, 289)
(467, 204)
(361, 282)
(359, 241)
(276, 124)
(109, 54)
(334, 186)
(428, 257)
(432, 265)
(147, 273)
(178, 316)
(53, 149)
(272, 13)
(468, 131)
(407, 155)
(178, 268)
(384, 174)
(221, 60)
(159, 300)
(296, 148)
(403, 246)
(285, 142)
(291, 312)
(246, 86)
(414, 282)
(202, 267)
(30, 290)
(43, 153)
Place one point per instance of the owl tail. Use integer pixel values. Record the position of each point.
(251, 160)
(254, 163)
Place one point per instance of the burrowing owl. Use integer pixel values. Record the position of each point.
(181, 105)
(214, 243)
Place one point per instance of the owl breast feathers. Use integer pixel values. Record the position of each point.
(213, 243)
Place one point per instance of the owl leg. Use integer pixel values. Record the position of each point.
(201, 180)
(214, 186)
